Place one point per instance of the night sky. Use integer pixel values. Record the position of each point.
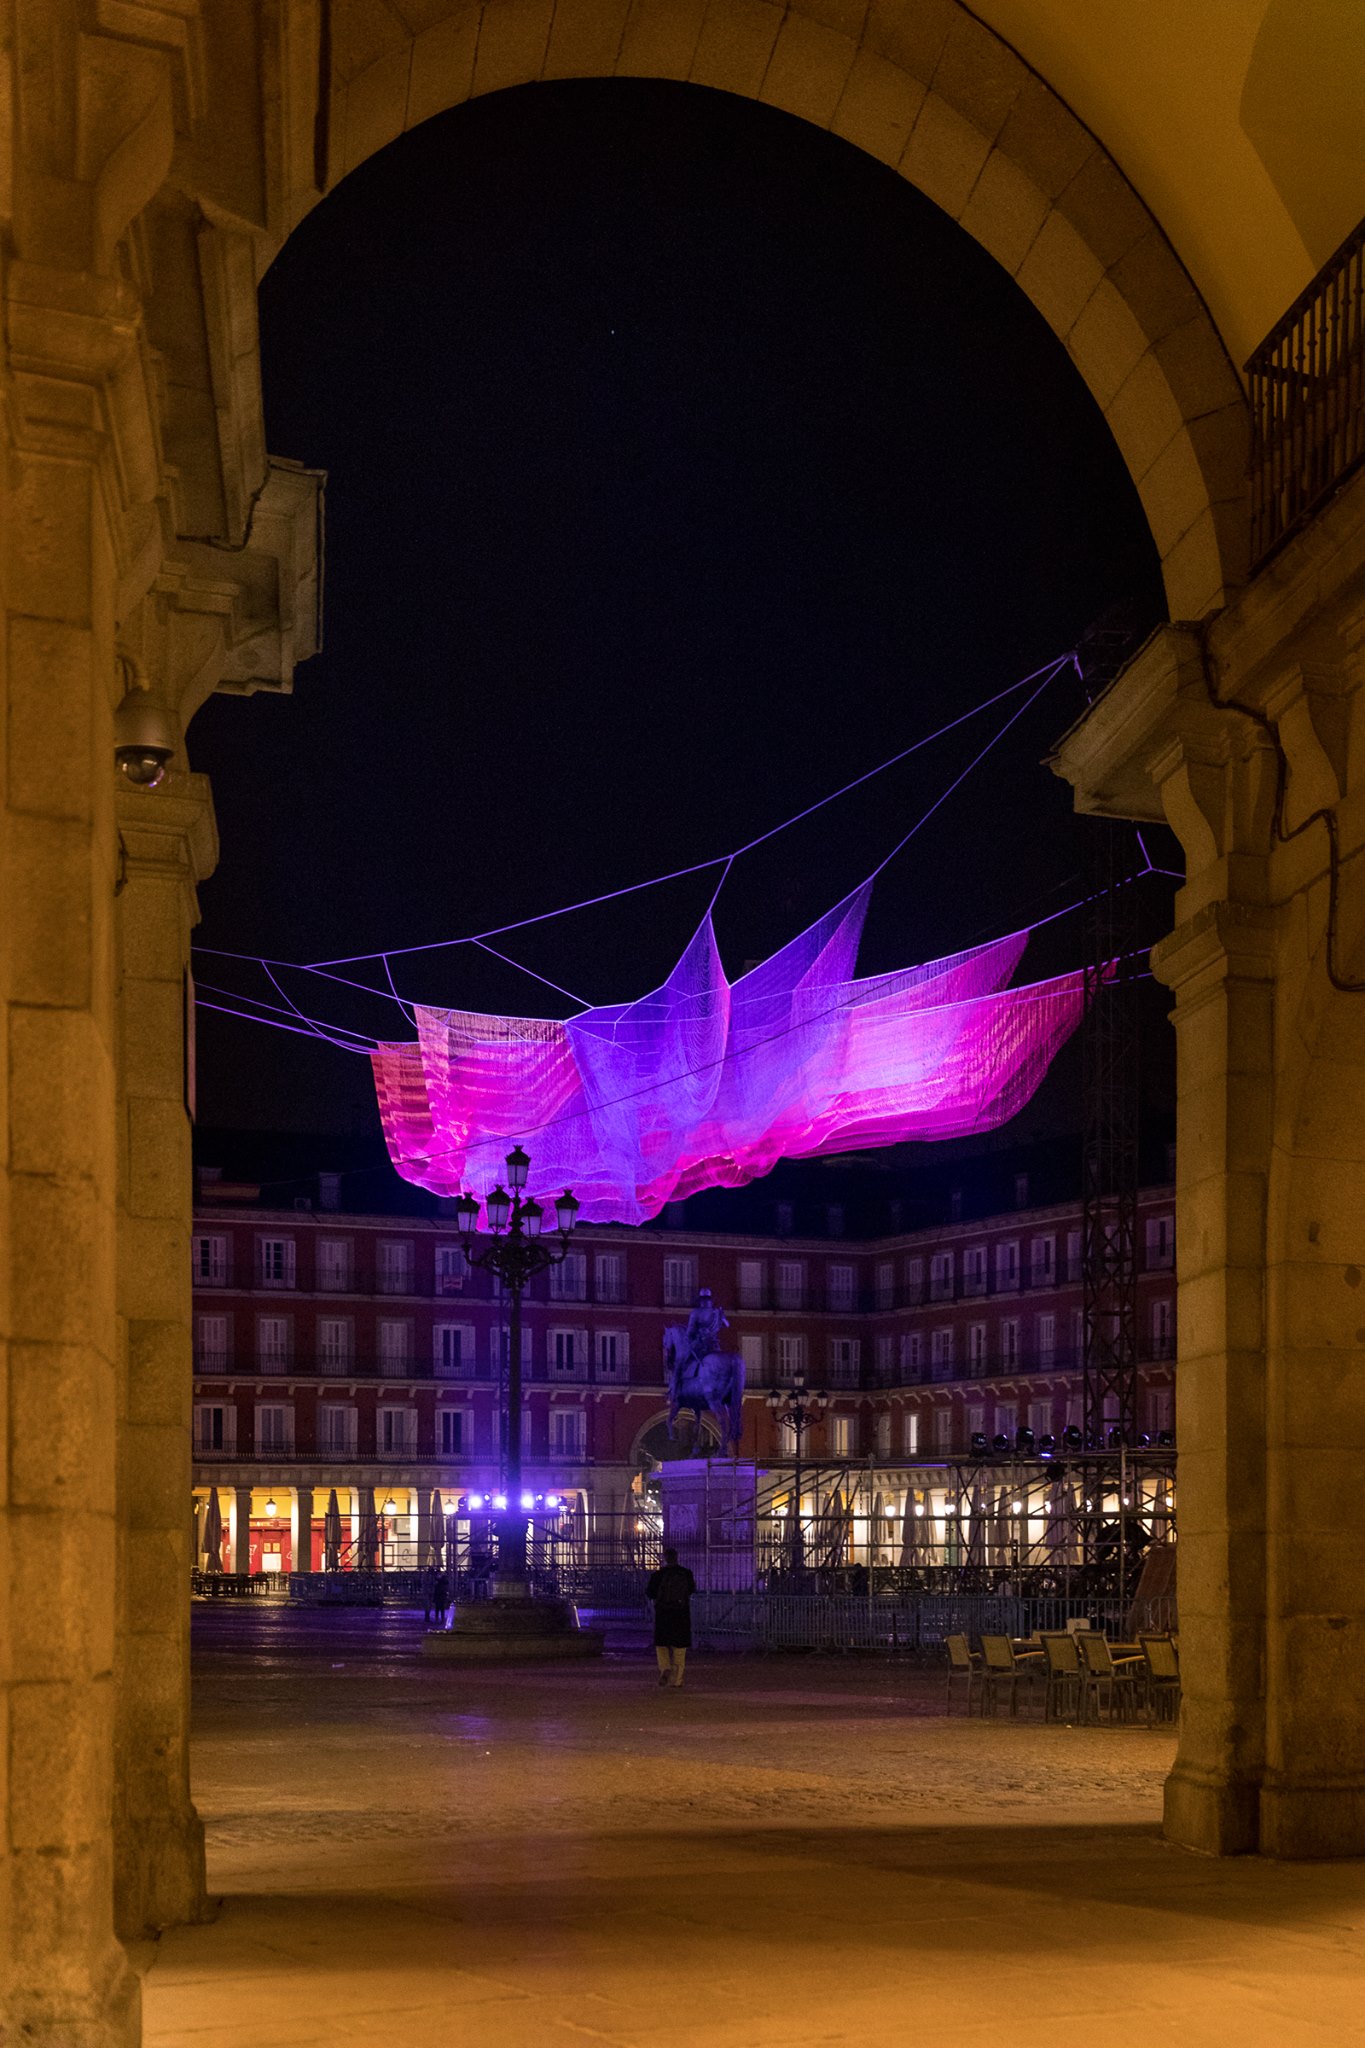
(683, 464)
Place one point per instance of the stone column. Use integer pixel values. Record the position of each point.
(1221, 967)
(241, 1559)
(303, 1528)
(69, 1981)
(167, 844)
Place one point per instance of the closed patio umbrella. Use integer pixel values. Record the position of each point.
(368, 1542)
(331, 1534)
(1057, 1530)
(975, 1547)
(213, 1533)
(436, 1522)
(914, 1535)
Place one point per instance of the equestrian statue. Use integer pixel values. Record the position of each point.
(702, 1377)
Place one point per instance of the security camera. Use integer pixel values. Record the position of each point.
(144, 740)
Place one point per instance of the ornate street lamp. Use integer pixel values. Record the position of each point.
(515, 1252)
(800, 1409)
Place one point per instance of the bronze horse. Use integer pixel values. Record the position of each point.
(713, 1385)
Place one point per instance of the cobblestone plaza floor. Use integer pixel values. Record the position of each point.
(794, 1851)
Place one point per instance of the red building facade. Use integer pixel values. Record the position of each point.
(338, 1351)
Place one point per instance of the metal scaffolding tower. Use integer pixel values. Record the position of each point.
(1111, 1113)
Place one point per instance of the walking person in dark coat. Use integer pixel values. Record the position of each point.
(671, 1589)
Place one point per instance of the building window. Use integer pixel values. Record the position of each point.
(955, 1206)
(1021, 1191)
(1009, 1342)
(1077, 1336)
(835, 1219)
(1047, 1339)
(452, 1346)
(569, 1279)
(335, 1347)
(1160, 1244)
(274, 1343)
(791, 1283)
(275, 1261)
(883, 1436)
(395, 1266)
(568, 1432)
(210, 1261)
(1163, 1329)
(274, 1430)
(1160, 1408)
(613, 1355)
(914, 1281)
(886, 1360)
(751, 1283)
(395, 1349)
(941, 1277)
(212, 1347)
(215, 1429)
(976, 1419)
(912, 1355)
(910, 1432)
(680, 1282)
(336, 1428)
(395, 1433)
(611, 1276)
(886, 1284)
(751, 1351)
(334, 1265)
(450, 1432)
(1042, 1255)
(452, 1268)
(841, 1436)
(786, 1219)
(943, 1428)
(791, 1357)
(1040, 1417)
(841, 1288)
(1006, 1419)
(563, 1358)
(844, 1357)
(976, 1345)
(1007, 1265)
(941, 1354)
(974, 1269)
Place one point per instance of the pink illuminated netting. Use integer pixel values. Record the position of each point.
(707, 1083)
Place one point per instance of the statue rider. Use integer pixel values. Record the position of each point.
(702, 1334)
(704, 1326)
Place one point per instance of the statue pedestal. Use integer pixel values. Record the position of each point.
(512, 1628)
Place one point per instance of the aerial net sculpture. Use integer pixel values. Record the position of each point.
(708, 1083)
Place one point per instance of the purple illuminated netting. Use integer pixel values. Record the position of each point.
(707, 1083)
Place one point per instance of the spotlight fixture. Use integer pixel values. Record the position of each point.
(980, 1443)
(1023, 1439)
(500, 1502)
(1072, 1438)
(1115, 1439)
(1047, 1446)
(528, 1500)
(1165, 1440)
(1000, 1443)
(475, 1503)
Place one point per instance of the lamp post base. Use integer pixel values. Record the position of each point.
(512, 1627)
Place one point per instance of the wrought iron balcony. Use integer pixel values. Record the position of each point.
(1307, 388)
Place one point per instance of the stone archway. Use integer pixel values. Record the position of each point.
(941, 98)
(159, 156)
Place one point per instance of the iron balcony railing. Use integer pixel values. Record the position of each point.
(1307, 389)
